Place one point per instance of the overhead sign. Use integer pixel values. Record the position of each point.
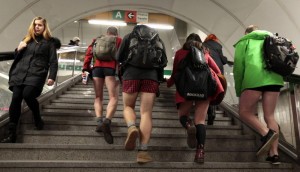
(142, 17)
(130, 16)
(118, 15)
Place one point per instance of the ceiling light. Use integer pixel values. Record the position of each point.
(108, 22)
(160, 26)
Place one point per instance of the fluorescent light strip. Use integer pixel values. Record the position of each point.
(159, 26)
(4, 76)
(107, 22)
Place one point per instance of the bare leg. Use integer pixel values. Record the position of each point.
(147, 102)
(129, 100)
(113, 91)
(201, 108)
(269, 100)
(247, 110)
(98, 104)
(129, 105)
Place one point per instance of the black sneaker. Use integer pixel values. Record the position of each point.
(39, 125)
(267, 141)
(99, 126)
(107, 132)
(273, 159)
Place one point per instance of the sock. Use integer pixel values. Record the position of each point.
(200, 134)
(143, 147)
(129, 124)
(183, 119)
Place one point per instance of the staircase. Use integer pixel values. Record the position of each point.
(69, 142)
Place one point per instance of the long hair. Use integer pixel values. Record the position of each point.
(192, 39)
(30, 34)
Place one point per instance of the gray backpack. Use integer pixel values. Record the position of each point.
(104, 47)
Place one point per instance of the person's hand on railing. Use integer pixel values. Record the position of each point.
(50, 82)
(21, 46)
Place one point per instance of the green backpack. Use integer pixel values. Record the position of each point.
(104, 48)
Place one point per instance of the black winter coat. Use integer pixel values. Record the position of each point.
(31, 65)
(215, 51)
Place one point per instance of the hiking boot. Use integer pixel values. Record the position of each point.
(267, 141)
(143, 157)
(191, 134)
(99, 126)
(273, 159)
(199, 157)
(39, 125)
(132, 135)
(107, 132)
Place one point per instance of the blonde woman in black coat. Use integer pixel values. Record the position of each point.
(35, 55)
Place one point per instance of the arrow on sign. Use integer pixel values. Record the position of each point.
(130, 15)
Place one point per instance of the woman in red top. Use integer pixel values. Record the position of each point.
(196, 134)
(104, 72)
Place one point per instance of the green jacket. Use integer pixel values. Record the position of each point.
(249, 68)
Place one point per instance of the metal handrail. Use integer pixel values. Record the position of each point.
(45, 97)
(7, 55)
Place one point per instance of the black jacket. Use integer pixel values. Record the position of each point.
(31, 65)
(215, 51)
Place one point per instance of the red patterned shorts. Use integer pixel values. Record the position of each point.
(133, 86)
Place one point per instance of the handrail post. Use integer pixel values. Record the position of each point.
(74, 62)
(296, 120)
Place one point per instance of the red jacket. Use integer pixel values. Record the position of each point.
(97, 63)
(181, 54)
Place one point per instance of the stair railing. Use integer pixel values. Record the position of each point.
(69, 72)
(286, 112)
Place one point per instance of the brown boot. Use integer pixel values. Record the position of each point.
(132, 135)
(143, 157)
(199, 157)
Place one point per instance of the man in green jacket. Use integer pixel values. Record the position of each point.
(254, 83)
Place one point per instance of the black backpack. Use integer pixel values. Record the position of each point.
(193, 79)
(280, 55)
(146, 49)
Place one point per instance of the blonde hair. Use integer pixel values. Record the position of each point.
(30, 34)
(250, 29)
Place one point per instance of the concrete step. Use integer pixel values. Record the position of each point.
(91, 107)
(90, 91)
(91, 102)
(87, 152)
(121, 127)
(219, 142)
(105, 97)
(119, 113)
(125, 166)
(88, 115)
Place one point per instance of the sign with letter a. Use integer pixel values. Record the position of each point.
(118, 15)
